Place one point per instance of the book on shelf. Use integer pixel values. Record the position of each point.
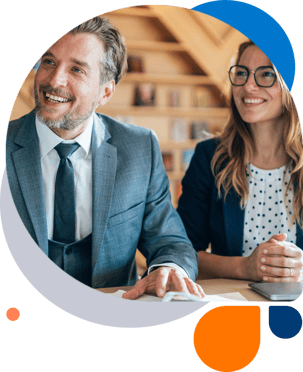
(203, 97)
(168, 161)
(145, 95)
(199, 130)
(186, 158)
(135, 64)
(174, 98)
(178, 130)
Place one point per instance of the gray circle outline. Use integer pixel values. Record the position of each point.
(71, 295)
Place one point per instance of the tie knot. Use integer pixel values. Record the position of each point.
(65, 150)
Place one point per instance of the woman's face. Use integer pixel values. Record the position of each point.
(256, 104)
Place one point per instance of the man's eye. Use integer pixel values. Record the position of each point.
(76, 69)
(47, 62)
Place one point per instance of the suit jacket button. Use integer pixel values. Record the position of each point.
(68, 251)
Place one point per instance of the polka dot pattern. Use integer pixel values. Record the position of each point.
(266, 213)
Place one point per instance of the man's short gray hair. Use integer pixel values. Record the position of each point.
(114, 58)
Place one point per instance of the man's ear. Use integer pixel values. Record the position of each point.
(106, 93)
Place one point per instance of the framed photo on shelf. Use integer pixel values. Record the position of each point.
(144, 95)
(199, 130)
(202, 97)
(135, 64)
(174, 98)
(168, 161)
(178, 130)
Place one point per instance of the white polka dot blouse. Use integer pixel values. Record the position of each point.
(266, 213)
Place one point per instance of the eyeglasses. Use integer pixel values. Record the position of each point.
(265, 76)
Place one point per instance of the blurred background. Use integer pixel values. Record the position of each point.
(177, 82)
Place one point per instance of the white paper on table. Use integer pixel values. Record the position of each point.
(226, 297)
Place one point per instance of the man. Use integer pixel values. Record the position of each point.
(91, 190)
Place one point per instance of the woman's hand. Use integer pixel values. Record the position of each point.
(253, 264)
(282, 262)
(275, 261)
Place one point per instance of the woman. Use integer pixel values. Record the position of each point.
(243, 191)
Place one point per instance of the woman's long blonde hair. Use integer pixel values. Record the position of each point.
(236, 148)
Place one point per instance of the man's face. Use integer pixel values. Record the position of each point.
(67, 84)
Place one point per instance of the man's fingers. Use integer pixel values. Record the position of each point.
(194, 288)
(137, 290)
(202, 293)
(178, 282)
(161, 282)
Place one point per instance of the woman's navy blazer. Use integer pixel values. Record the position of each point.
(207, 218)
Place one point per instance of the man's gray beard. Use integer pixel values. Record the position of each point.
(68, 121)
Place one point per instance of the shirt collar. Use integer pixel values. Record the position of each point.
(49, 140)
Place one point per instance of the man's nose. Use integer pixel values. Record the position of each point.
(58, 77)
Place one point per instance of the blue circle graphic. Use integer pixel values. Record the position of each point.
(259, 27)
(284, 321)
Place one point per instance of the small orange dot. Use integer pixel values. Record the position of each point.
(13, 314)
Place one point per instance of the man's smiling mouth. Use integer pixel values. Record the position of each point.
(56, 99)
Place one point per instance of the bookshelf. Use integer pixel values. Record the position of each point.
(181, 51)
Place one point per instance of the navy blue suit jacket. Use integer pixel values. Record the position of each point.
(131, 199)
(208, 219)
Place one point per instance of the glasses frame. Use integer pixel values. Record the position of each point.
(253, 72)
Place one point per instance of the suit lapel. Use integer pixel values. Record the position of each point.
(234, 224)
(27, 163)
(104, 163)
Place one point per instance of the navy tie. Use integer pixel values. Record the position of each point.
(64, 207)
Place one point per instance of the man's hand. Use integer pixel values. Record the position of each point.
(162, 280)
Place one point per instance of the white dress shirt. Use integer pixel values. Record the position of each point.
(82, 164)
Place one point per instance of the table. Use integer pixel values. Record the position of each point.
(214, 286)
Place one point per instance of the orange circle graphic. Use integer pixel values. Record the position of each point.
(13, 314)
(227, 338)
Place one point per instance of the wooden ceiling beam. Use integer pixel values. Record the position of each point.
(213, 59)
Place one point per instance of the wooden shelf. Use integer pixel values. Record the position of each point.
(165, 111)
(135, 77)
(179, 145)
(161, 46)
